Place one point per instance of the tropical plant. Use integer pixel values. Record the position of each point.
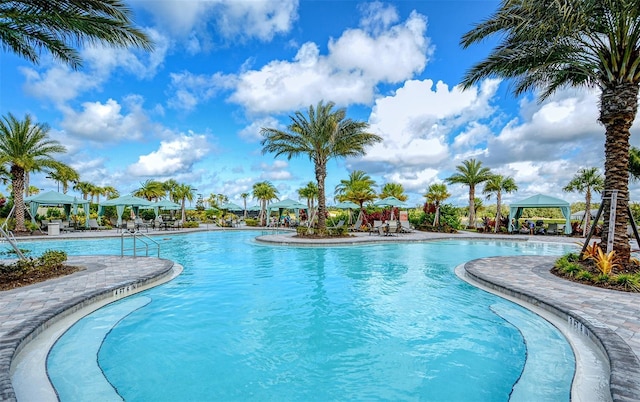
(586, 180)
(629, 282)
(591, 251)
(169, 187)
(470, 173)
(594, 43)
(322, 135)
(184, 192)
(310, 193)
(28, 27)
(436, 194)
(64, 175)
(84, 187)
(499, 184)
(606, 262)
(244, 200)
(634, 163)
(24, 147)
(152, 190)
(264, 192)
(357, 188)
(110, 192)
(393, 190)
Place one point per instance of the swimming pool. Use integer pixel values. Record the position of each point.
(248, 321)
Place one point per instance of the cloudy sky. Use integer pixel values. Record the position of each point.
(222, 69)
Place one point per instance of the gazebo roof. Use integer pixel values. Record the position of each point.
(540, 200)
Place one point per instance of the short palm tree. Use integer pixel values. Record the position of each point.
(436, 194)
(548, 45)
(184, 193)
(498, 184)
(110, 192)
(169, 187)
(26, 146)
(470, 173)
(310, 193)
(323, 134)
(244, 200)
(357, 188)
(586, 181)
(84, 187)
(393, 190)
(264, 192)
(28, 27)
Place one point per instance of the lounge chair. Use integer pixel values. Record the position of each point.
(357, 227)
(405, 227)
(375, 227)
(93, 225)
(337, 226)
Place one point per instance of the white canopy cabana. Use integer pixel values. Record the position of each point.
(540, 201)
(52, 198)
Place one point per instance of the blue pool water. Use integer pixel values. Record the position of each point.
(246, 321)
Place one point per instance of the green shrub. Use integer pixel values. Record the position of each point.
(52, 258)
(584, 275)
(251, 222)
(191, 224)
(602, 278)
(628, 281)
(567, 264)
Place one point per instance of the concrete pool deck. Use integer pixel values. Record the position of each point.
(610, 318)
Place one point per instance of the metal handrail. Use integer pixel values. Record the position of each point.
(135, 234)
(12, 240)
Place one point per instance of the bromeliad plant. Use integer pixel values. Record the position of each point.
(604, 262)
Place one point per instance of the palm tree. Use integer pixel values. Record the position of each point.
(24, 147)
(586, 180)
(470, 173)
(264, 192)
(95, 192)
(310, 193)
(110, 192)
(358, 188)
(84, 187)
(151, 190)
(593, 43)
(499, 184)
(244, 200)
(321, 135)
(393, 190)
(64, 175)
(436, 193)
(169, 187)
(57, 26)
(184, 193)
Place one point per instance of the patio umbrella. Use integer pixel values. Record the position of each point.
(125, 201)
(390, 202)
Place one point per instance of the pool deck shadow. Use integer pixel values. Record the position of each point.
(610, 318)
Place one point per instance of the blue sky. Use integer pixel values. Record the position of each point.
(221, 70)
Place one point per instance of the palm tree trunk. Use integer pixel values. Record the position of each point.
(321, 174)
(587, 212)
(472, 206)
(618, 109)
(17, 184)
(498, 212)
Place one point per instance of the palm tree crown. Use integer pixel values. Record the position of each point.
(586, 181)
(393, 190)
(498, 184)
(26, 147)
(264, 191)
(436, 193)
(547, 45)
(470, 173)
(323, 134)
(28, 27)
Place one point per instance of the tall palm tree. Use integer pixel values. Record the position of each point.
(95, 192)
(436, 193)
(264, 192)
(310, 193)
(110, 192)
(244, 200)
(25, 146)
(64, 176)
(499, 184)
(586, 181)
(184, 193)
(393, 190)
(548, 45)
(323, 134)
(470, 173)
(151, 190)
(28, 27)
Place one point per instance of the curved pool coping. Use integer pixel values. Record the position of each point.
(27, 312)
(16, 332)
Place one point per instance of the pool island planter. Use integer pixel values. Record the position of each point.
(624, 365)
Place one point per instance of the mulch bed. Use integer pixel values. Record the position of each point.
(13, 282)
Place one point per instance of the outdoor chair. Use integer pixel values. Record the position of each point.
(357, 227)
(375, 228)
(93, 225)
(405, 227)
(552, 229)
